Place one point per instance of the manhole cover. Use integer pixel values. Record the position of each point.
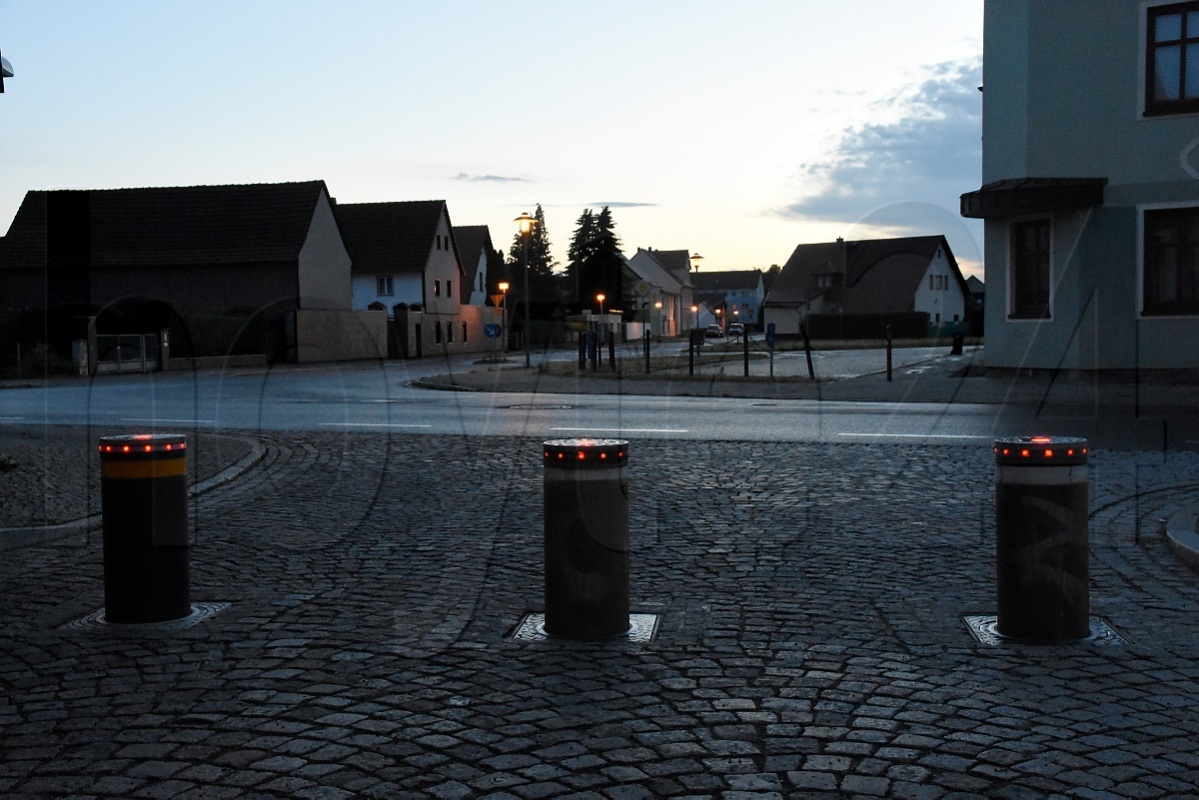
(200, 612)
(985, 629)
(540, 407)
(642, 628)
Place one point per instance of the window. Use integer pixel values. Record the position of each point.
(1172, 59)
(464, 333)
(1030, 270)
(449, 333)
(436, 333)
(437, 287)
(1171, 262)
(449, 288)
(384, 286)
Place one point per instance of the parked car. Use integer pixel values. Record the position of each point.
(714, 332)
(736, 329)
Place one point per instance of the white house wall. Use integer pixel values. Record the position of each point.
(324, 263)
(444, 271)
(405, 289)
(942, 304)
(478, 292)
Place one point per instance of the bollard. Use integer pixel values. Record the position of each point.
(143, 495)
(1041, 541)
(586, 538)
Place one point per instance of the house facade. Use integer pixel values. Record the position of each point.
(406, 262)
(869, 277)
(476, 252)
(1090, 183)
(740, 293)
(270, 250)
(659, 287)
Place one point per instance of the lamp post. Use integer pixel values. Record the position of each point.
(526, 223)
(694, 317)
(658, 321)
(695, 259)
(504, 286)
(601, 297)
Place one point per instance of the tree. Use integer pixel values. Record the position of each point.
(542, 284)
(769, 275)
(596, 261)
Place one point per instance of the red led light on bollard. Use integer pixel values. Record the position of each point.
(586, 453)
(142, 443)
(1041, 451)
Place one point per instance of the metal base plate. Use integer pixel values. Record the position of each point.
(642, 628)
(199, 613)
(985, 629)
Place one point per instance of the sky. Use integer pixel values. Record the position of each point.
(736, 131)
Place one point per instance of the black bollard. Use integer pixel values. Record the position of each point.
(586, 538)
(143, 494)
(1041, 541)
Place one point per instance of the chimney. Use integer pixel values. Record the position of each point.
(844, 248)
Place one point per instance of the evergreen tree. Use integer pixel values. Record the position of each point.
(542, 284)
(595, 261)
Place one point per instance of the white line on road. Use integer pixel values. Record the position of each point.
(917, 436)
(373, 425)
(624, 430)
(156, 421)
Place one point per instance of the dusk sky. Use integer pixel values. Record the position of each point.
(736, 131)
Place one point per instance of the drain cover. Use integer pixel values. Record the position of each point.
(200, 612)
(985, 629)
(642, 628)
(540, 407)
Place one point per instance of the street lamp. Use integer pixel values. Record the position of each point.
(504, 286)
(695, 259)
(5, 71)
(658, 321)
(601, 297)
(694, 317)
(526, 223)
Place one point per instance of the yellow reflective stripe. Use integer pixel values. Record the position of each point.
(166, 468)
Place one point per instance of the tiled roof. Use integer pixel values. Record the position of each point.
(880, 275)
(390, 237)
(178, 226)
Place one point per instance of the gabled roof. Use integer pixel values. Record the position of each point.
(390, 237)
(175, 226)
(868, 276)
(727, 281)
(473, 243)
(675, 262)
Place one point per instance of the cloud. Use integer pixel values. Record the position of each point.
(623, 204)
(462, 176)
(930, 153)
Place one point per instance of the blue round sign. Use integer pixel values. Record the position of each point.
(491, 330)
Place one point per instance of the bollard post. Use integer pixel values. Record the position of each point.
(582, 350)
(888, 335)
(143, 494)
(647, 335)
(586, 538)
(1041, 540)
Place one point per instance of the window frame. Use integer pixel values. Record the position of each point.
(1184, 105)
(385, 286)
(1016, 312)
(1176, 310)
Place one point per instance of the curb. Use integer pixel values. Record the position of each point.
(1182, 536)
(12, 538)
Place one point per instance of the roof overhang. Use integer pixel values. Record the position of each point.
(1011, 198)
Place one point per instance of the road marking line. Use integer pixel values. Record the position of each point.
(155, 421)
(917, 436)
(373, 425)
(625, 430)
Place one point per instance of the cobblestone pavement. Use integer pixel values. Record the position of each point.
(811, 640)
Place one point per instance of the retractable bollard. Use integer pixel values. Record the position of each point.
(1041, 542)
(143, 492)
(586, 538)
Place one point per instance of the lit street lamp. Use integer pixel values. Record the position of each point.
(695, 259)
(601, 297)
(526, 224)
(504, 286)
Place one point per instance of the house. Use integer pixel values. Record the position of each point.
(476, 252)
(661, 277)
(873, 277)
(406, 262)
(1090, 184)
(741, 293)
(267, 251)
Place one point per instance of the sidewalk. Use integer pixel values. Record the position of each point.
(360, 591)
